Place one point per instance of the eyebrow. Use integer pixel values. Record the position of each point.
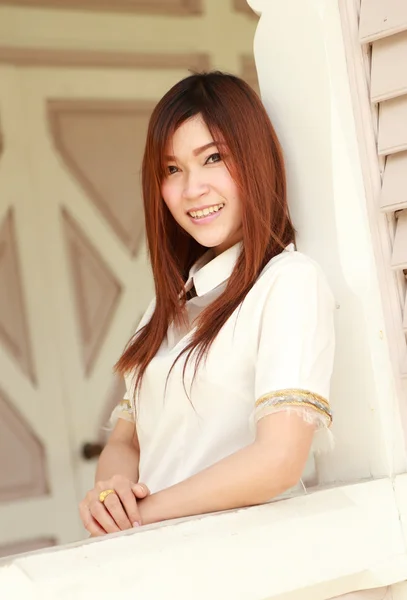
(197, 151)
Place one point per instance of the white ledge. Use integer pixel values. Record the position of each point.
(310, 548)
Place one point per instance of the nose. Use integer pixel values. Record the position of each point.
(195, 186)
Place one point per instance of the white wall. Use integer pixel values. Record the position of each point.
(304, 82)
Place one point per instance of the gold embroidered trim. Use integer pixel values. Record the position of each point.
(296, 397)
(292, 392)
(125, 405)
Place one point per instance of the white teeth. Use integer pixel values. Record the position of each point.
(198, 214)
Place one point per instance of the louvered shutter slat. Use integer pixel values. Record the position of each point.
(399, 256)
(381, 18)
(393, 126)
(394, 190)
(389, 67)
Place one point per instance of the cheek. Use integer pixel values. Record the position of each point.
(168, 194)
(234, 191)
(172, 199)
(226, 185)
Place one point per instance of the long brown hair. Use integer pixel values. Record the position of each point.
(233, 113)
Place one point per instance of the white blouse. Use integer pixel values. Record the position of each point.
(274, 353)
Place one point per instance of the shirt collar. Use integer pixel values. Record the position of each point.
(208, 272)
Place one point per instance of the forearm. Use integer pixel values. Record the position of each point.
(118, 458)
(243, 479)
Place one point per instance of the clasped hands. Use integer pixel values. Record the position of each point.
(115, 511)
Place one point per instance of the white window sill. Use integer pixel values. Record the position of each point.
(309, 548)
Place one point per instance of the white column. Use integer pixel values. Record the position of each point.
(304, 84)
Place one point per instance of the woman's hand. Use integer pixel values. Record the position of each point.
(118, 512)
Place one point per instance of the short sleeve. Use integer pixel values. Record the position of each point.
(125, 408)
(296, 345)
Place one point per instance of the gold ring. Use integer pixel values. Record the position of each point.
(103, 495)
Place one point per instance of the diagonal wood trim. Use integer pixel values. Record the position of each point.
(14, 325)
(57, 57)
(60, 108)
(97, 290)
(24, 457)
(167, 7)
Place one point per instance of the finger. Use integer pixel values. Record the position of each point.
(89, 522)
(129, 503)
(103, 517)
(94, 528)
(140, 490)
(115, 507)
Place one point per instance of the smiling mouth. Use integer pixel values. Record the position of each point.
(205, 212)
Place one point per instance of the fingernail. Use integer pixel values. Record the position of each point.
(136, 524)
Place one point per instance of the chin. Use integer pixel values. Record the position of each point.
(208, 242)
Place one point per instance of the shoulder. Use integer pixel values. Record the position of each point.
(290, 261)
(292, 272)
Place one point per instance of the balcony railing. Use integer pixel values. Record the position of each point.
(311, 547)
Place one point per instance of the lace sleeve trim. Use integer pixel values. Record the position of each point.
(123, 410)
(314, 409)
(310, 404)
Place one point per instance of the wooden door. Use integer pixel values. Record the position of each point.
(74, 278)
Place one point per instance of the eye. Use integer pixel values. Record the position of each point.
(171, 169)
(213, 158)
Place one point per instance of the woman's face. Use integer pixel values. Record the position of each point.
(198, 188)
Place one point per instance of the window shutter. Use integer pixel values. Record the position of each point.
(383, 29)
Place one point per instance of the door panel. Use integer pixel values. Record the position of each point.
(86, 136)
(71, 217)
(38, 482)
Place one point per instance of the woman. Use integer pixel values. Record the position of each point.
(228, 373)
